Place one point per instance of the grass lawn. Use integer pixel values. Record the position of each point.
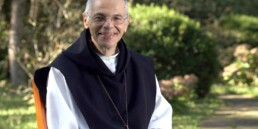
(188, 113)
(16, 109)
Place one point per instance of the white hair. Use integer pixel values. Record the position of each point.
(89, 4)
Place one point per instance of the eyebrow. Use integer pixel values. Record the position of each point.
(102, 14)
(98, 14)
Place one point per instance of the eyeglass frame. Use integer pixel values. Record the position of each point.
(106, 18)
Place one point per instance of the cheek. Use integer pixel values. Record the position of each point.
(94, 30)
(93, 35)
(122, 28)
(119, 29)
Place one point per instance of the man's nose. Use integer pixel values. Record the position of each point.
(108, 23)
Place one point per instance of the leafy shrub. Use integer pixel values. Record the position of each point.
(177, 44)
(206, 11)
(242, 28)
(178, 86)
(244, 69)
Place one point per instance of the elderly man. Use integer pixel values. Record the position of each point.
(97, 83)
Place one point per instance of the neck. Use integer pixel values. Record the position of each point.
(106, 51)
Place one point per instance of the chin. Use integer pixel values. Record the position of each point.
(109, 45)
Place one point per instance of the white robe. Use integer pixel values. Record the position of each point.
(63, 112)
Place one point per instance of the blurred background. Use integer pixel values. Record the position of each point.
(202, 49)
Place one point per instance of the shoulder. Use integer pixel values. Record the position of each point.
(41, 74)
(140, 58)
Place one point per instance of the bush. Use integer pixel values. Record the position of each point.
(177, 44)
(179, 86)
(243, 70)
(242, 28)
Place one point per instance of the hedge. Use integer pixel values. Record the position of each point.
(177, 44)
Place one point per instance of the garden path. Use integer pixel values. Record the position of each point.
(239, 112)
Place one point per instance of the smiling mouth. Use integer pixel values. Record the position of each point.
(108, 35)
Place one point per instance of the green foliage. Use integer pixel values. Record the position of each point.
(54, 28)
(242, 28)
(206, 11)
(243, 70)
(16, 109)
(221, 89)
(177, 44)
(3, 49)
(188, 113)
(179, 86)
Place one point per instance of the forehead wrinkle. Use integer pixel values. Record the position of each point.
(100, 7)
(105, 13)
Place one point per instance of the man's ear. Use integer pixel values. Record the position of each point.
(85, 23)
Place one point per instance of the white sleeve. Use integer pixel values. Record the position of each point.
(62, 112)
(162, 115)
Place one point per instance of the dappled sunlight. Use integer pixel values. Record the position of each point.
(188, 113)
(245, 112)
(249, 113)
(16, 111)
(240, 111)
(246, 91)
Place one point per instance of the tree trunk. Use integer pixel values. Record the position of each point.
(1, 4)
(18, 76)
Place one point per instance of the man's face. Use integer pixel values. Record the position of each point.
(106, 33)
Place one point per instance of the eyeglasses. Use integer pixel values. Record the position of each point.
(100, 20)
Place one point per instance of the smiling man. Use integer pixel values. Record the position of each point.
(107, 22)
(97, 83)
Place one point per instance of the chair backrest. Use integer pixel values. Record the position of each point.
(40, 108)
